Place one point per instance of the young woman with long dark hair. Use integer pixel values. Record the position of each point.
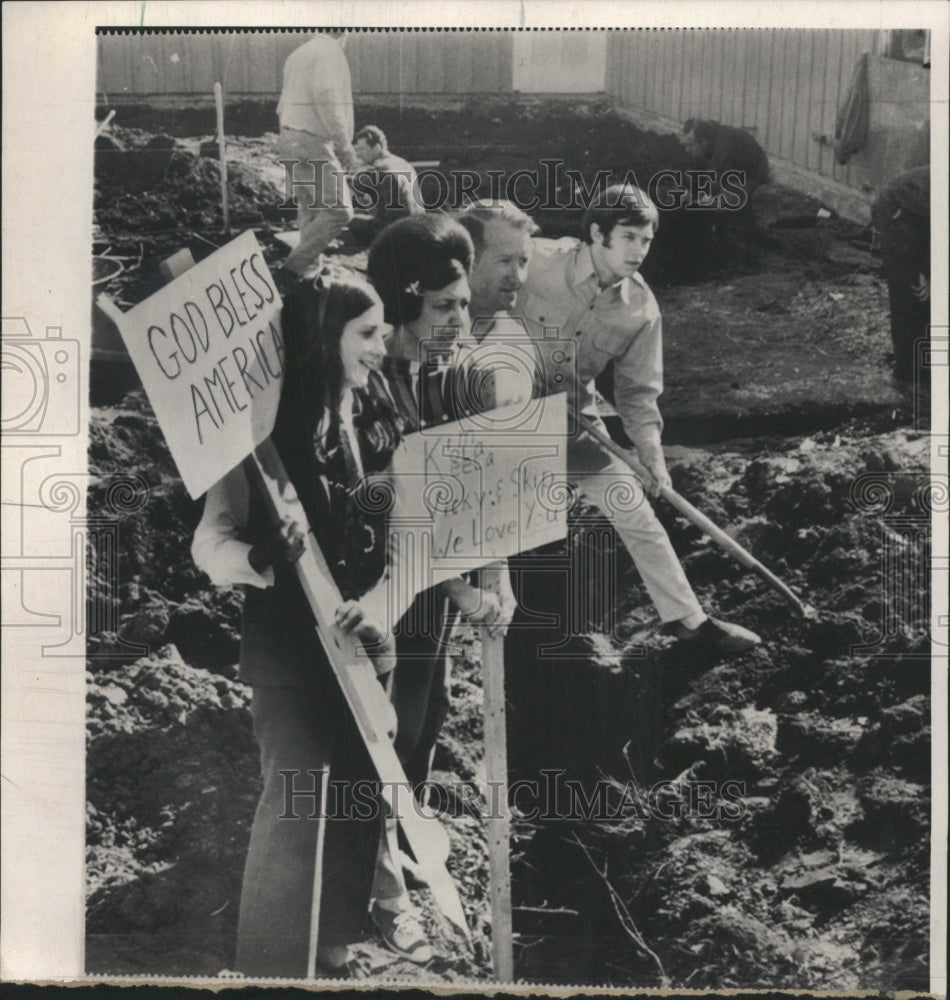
(335, 425)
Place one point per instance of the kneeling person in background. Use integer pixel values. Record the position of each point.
(385, 186)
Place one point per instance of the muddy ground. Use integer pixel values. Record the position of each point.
(807, 863)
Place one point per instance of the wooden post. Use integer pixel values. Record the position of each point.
(317, 896)
(496, 770)
(219, 107)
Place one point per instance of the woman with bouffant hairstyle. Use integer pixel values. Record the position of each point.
(420, 266)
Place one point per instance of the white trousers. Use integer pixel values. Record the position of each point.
(618, 493)
(324, 205)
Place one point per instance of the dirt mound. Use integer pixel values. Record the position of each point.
(152, 185)
(173, 782)
(801, 769)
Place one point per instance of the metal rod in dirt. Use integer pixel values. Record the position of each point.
(496, 772)
(317, 895)
(698, 518)
(104, 124)
(219, 107)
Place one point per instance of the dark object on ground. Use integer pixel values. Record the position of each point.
(724, 148)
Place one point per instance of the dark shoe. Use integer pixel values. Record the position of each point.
(403, 934)
(724, 637)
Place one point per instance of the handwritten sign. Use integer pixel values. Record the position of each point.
(472, 492)
(210, 352)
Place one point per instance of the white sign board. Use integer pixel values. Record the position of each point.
(209, 350)
(473, 492)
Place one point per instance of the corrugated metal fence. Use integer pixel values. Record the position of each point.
(784, 85)
(251, 63)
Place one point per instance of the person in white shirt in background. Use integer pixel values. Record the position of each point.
(316, 124)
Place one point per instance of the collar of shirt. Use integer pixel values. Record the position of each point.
(585, 278)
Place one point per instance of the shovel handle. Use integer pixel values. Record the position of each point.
(698, 518)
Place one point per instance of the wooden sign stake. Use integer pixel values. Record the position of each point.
(317, 896)
(496, 770)
(219, 108)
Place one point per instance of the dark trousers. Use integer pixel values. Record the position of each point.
(905, 254)
(300, 729)
(419, 684)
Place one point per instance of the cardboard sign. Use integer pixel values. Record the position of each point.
(210, 352)
(473, 492)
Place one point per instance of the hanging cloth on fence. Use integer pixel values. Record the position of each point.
(854, 116)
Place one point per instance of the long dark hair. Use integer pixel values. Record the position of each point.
(313, 319)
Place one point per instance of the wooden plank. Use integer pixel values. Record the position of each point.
(366, 68)
(506, 55)
(719, 86)
(496, 771)
(736, 83)
(260, 64)
(434, 66)
(620, 59)
(844, 77)
(113, 73)
(627, 46)
(200, 50)
(610, 68)
(655, 92)
(670, 72)
(808, 87)
(464, 68)
(764, 96)
(146, 63)
(820, 97)
(694, 72)
(410, 63)
(777, 92)
(171, 61)
(394, 63)
(797, 153)
(235, 77)
(743, 75)
(485, 67)
(705, 75)
(680, 92)
(651, 65)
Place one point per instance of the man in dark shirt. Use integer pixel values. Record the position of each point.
(385, 187)
(901, 217)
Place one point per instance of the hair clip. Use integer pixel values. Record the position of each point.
(413, 289)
